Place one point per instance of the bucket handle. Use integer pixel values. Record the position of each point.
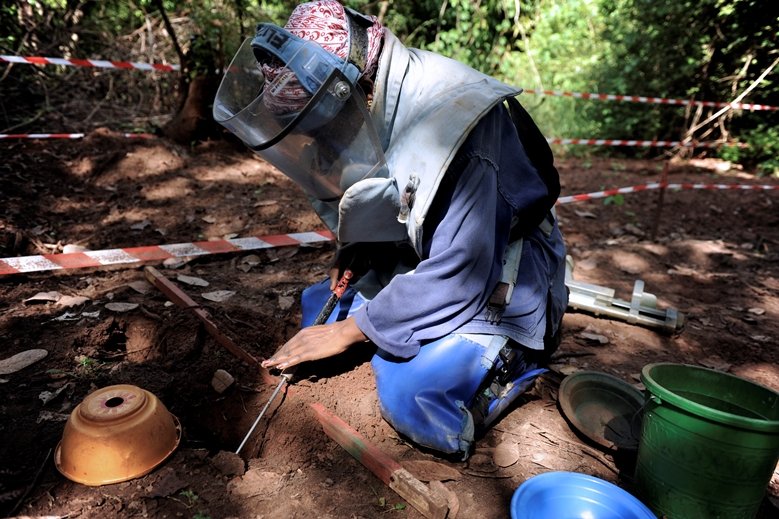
(640, 410)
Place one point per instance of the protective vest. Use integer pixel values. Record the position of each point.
(424, 107)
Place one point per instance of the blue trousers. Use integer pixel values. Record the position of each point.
(432, 398)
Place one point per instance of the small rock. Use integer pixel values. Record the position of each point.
(594, 338)
(221, 381)
(21, 360)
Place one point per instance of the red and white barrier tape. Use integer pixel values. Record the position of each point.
(589, 142)
(66, 135)
(135, 255)
(645, 144)
(650, 100)
(38, 60)
(660, 185)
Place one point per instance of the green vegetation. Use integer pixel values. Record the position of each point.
(702, 50)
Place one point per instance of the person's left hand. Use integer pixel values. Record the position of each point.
(316, 342)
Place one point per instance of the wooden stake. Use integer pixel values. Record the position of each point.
(660, 200)
(427, 502)
(180, 298)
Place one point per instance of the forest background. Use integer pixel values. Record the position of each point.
(702, 50)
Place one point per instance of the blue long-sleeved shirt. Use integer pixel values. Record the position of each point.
(465, 237)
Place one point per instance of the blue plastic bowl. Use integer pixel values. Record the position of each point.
(570, 495)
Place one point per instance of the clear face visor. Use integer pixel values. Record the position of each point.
(302, 112)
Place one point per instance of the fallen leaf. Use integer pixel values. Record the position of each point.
(252, 260)
(247, 263)
(190, 280)
(140, 225)
(715, 363)
(121, 307)
(21, 360)
(142, 287)
(568, 369)
(68, 316)
(219, 295)
(585, 214)
(48, 396)
(44, 297)
(70, 301)
(506, 454)
(427, 470)
(588, 264)
(279, 254)
(174, 263)
(209, 219)
(286, 302)
(68, 249)
(51, 416)
(756, 311)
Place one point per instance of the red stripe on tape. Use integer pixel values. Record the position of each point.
(327, 234)
(72, 260)
(149, 253)
(122, 64)
(279, 240)
(6, 269)
(216, 246)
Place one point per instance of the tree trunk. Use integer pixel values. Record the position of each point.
(194, 121)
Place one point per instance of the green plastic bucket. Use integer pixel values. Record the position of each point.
(709, 443)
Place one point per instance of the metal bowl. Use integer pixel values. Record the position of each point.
(115, 434)
(604, 408)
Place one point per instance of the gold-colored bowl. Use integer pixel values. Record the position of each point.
(115, 434)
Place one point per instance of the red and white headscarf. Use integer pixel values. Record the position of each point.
(325, 23)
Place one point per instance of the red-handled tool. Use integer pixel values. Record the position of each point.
(287, 374)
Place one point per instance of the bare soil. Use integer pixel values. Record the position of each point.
(712, 255)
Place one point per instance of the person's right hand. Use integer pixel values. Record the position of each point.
(316, 342)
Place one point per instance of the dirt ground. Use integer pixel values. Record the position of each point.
(711, 255)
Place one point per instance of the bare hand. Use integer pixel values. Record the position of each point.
(316, 342)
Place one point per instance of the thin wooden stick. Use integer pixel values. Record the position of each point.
(181, 299)
(427, 502)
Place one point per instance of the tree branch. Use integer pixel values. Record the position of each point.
(738, 99)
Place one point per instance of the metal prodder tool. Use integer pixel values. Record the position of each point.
(286, 375)
(641, 309)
